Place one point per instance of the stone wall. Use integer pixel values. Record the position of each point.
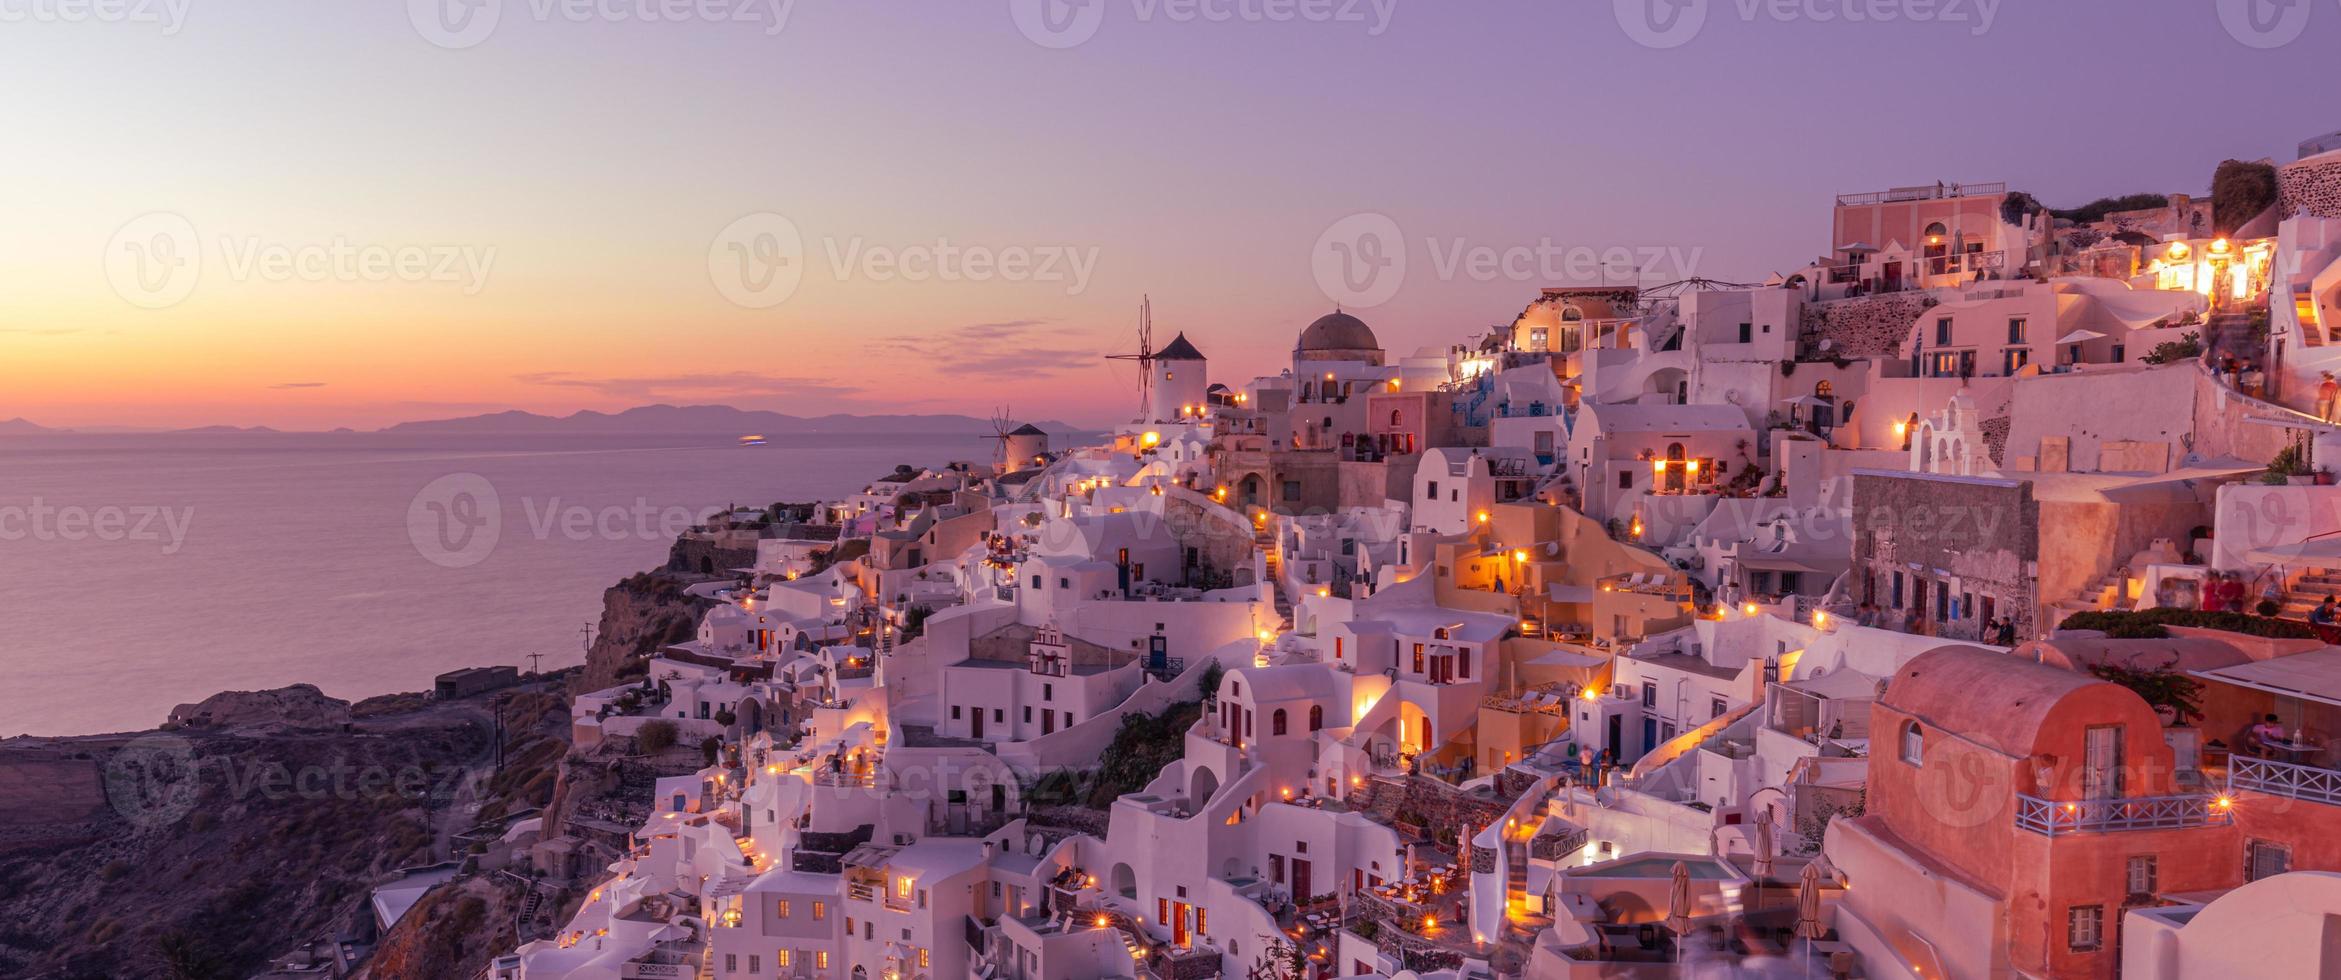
(1976, 537)
(2313, 185)
(1871, 326)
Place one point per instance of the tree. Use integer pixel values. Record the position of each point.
(2240, 192)
(2166, 690)
(655, 737)
(1209, 682)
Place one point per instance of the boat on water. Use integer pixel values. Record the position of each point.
(752, 441)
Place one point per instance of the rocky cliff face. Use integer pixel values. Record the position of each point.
(639, 615)
(201, 852)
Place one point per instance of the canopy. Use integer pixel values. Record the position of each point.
(2080, 335)
(2312, 676)
(2318, 551)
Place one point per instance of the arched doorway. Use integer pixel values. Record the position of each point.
(1125, 881)
(1201, 785)
(1249, 491)
(1676, 472)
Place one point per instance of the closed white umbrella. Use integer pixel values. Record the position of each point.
(1678, 907)
(1808, 909)
(1764, 843)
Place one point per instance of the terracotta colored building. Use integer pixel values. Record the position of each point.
(2029, 805)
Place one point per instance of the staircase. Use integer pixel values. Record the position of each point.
(2312, 589)
(1264, 536)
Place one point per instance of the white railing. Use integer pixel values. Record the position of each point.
(2055, 817)
(2285, 779)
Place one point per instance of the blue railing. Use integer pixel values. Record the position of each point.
(2285, 779)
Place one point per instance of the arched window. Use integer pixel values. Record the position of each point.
(1316, 717)
(1824, 390)
(1276, 722)
(1394, 418)
(1936, 230)
(1913, 744)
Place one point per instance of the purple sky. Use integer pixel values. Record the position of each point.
(1196, 161)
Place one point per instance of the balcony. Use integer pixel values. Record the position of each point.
(2053, 818)
(2285, 779)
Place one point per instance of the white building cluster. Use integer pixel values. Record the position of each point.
(1566, 650)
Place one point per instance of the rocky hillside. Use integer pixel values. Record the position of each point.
(198, 852)
(639, 615)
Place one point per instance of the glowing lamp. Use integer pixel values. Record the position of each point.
(1483, 517)
(1693, 466)
(1520, 556)
(1592, 693)
(1150, 439)
(2221, 247)
(1658, 465)
(1750, 609)
(1101, 922)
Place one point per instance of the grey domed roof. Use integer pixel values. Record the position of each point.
(1338, 331)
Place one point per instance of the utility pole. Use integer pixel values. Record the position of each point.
(533, 663)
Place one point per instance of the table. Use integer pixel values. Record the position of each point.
(2296, 750)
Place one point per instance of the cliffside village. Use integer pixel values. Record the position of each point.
(1955, 605)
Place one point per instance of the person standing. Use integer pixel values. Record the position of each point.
(2328, 391)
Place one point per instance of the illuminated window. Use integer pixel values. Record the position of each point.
(902, 886)
(781, 959)
(820, 911)
(783, 911)
(821, 959)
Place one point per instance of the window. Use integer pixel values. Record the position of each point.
(1897, 590)
(1747, 332)
(755, 963)
(1942, 331)
(2015, 330)
(2141, 875)
(1316, 717)
(1649, 694)
(1716, 707)
(2265, 860)
(1028, 714)
(1418, 658)
(955, 712)
(1434, 491)
(2085, 928)
(821, 959)
(1913, 744)
(1276, 724)
(2015, 358)
(820, 911)
(923, 958)
(780, 959)
(731, 962)
(1048, 692)
(783, 911)
(1626, 479)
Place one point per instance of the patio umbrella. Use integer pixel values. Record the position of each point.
(1678, 907)
(1763, 843)
(1808, 910)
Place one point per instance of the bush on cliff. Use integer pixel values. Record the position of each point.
(2148, 624)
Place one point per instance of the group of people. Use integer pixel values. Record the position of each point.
(2225, 591)
(1999, 630)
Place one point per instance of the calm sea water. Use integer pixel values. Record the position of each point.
(140, 572)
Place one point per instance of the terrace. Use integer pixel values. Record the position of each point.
(2286, 779)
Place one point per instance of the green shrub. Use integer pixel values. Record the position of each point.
(2240, 191)
(2148, 624)
(655, 737)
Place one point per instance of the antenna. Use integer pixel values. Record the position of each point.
(1144, 357)
(534, 665)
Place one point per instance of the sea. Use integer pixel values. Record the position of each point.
(139, 572)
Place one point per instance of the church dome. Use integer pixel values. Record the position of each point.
(1338, 332)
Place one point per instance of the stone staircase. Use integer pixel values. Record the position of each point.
(2312, 588)
(1264, 536)
(2231, 333)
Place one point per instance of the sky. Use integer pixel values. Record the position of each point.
(308, 215)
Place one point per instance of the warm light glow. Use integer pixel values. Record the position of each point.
(2222, 803)
(1750, 609)
(1324, 591)
(1288, 792)
(1692, 466)
(1520, 556)
(1658, 465)
(1901, 428)
(1150, 439)
(1820, 618)
(2178, 251)
(1265, 636)
(2221, 247)
(1101, 921)
(1483, 517)
(1592, 693)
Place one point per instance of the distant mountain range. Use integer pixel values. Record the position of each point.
(646, 420)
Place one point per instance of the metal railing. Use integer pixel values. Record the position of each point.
(2285, 779)
(2055, 817)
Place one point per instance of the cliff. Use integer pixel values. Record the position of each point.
(639, 615)
(202, 852)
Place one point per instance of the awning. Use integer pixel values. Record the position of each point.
(1858, 247)
(1566, 658)
(2319, 551)
(2079, 336)
(2313, 676)
(2212, 469)
(1774, 563)
(1569, 593)
(1807, 401)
